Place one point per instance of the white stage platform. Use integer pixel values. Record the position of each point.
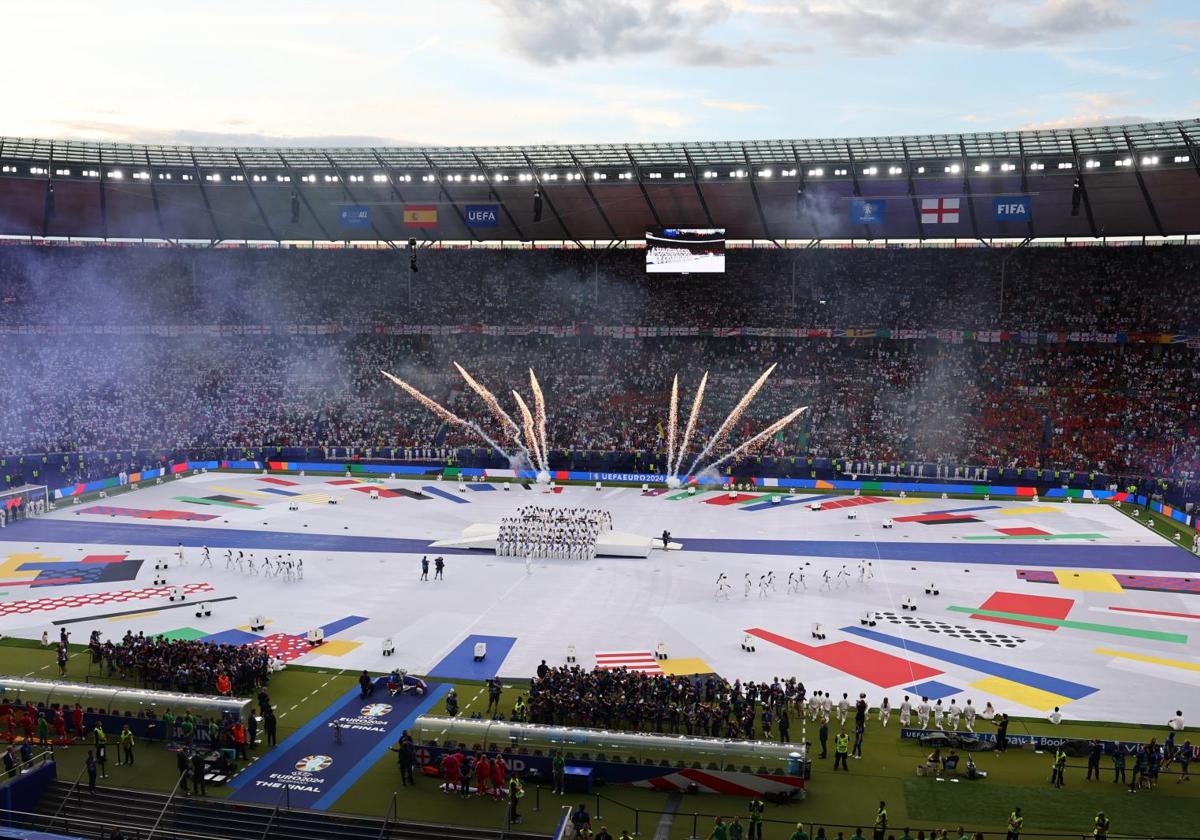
(484, 535)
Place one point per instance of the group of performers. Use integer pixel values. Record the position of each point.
(560, 533)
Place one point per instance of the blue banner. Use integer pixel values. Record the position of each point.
(868, 212)
(1011, 208)
(354, 216)
(482, 215)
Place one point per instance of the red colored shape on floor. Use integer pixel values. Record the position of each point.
(935, 517)
(876, 667)
(280, 481)
(104, 558)
(384, 493)
(338, 482)
(725, 499)
(1040, 605)
(1154, 612)
(851, 501)
(1023, 532)
(284, 646)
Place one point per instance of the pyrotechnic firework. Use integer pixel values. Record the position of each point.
(527, 423)
(751, 446)
(539, 407)
(502, 417)
(693, 418)
(443, 412)
(673, 421)
(738, 410)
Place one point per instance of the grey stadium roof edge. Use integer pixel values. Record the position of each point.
(1123, 180)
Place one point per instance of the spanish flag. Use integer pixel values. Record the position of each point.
(420, 215)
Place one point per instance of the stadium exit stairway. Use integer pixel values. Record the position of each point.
(190, 818)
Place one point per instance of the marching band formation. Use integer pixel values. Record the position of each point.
(558, 533)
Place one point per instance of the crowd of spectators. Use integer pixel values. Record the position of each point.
(1117, 408)
(184, 666)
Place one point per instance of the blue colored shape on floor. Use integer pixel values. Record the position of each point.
(481, 487)
(1054, 685)
(231, 637)
(1056, 556)
(277, 491)
(434, 491)
(785, 501)
(40, 529)
(460, 663)
(1164, 558)
(932, 689)
(361, 747)
(341, 624)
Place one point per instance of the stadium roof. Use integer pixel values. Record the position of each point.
(1135, 180)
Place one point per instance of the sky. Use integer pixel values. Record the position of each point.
(496, 72)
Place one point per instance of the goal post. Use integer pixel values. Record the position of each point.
(23, 502)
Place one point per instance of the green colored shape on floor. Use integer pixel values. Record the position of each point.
(184, 634)
(198, 501)
(1113, 629)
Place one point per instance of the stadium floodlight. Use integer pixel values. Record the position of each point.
(681, 174)
(1150, 160)
(841, 172)
(62, 171)
(816, 173)
(1007, 167)
(379, 178)
(1091, 164)
(654, 175)
(142, 176)
(1065, 164)
(116, 174)
(920, 170)
(982, 167)
(1037, 167)
(871, 170)
(626, 176)
(765, 173)
(599, 176)
(954, 169)
(708, 173)
(895, 170)
(1182, 159)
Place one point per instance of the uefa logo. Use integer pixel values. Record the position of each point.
(375, 710)
(313, 763)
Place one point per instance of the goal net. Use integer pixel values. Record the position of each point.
(22, 502)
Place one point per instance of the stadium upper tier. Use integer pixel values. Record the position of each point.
(1130, 180)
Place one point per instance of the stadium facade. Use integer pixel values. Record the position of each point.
(1111, 181)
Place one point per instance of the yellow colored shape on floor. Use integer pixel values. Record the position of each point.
(246, 627)
(1153, 660)
(336, 647)
(134, 615)
(1033, 698)
(684, 667)
(1087, 581)
(913, 501)
(9, 566)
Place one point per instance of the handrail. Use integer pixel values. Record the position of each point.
(285, 793)
(91, 824)
(387, 818)
(66, 797)
(17, 767)
(166, 805)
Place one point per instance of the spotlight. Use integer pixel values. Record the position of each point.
(412, 255)
(1076, 195)
(537, 206)
(295, 207)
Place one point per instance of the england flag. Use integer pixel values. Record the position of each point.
(937, 211)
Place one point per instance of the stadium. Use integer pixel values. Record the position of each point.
(805, 488)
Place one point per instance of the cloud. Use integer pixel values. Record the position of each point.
(878, 27)
(740, 107)
(1096, 108)
(554, 32)
(126, 133)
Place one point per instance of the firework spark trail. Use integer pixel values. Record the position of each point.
(443, 412)
(527, 422)
(673, 422)
(502, 417)
(691, 423)
(759, 439)
(539, 407)
(738, 410)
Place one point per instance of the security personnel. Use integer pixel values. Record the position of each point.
(1056, 770)
(881, 821)
(1015, 821)
(1100, 827)
(841, 749)
(756, 813)
(514, 794)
